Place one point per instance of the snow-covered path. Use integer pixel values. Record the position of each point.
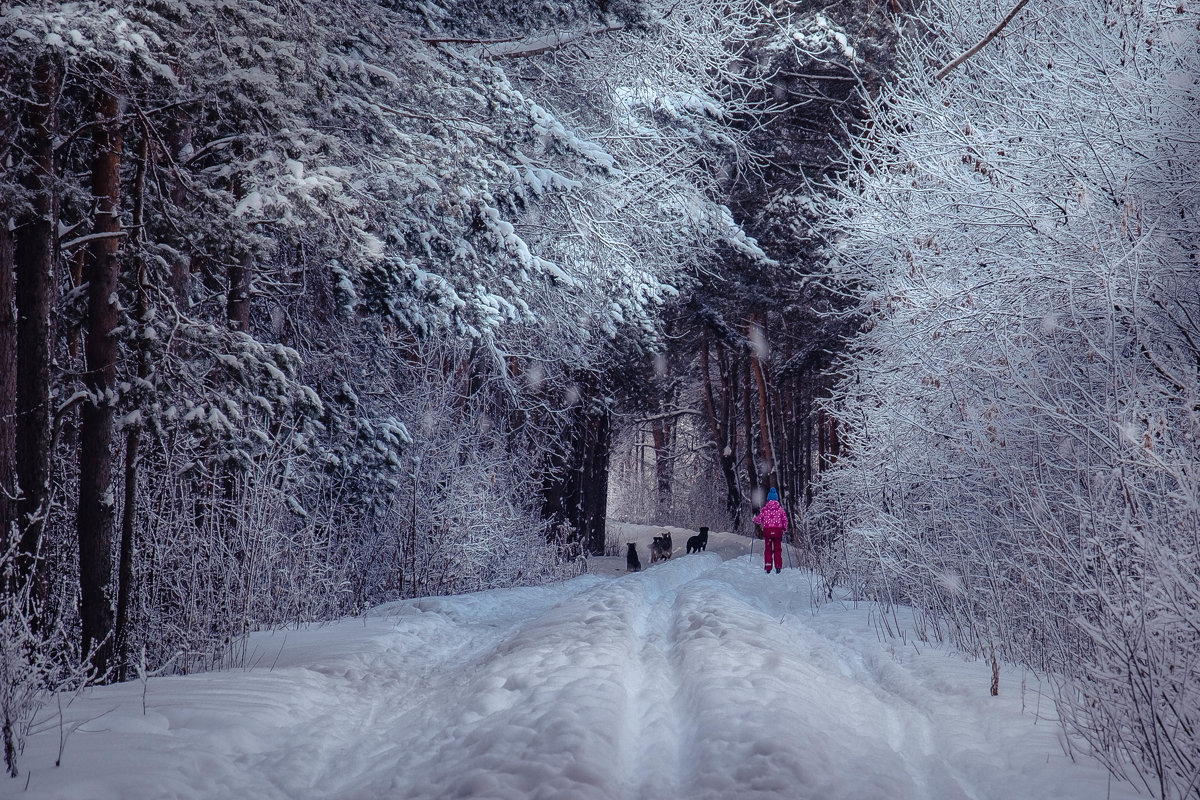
(696, 678)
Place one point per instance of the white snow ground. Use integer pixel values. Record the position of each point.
(697, 678)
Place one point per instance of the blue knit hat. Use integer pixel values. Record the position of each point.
(772, 495)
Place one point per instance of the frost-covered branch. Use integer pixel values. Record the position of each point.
(982, 43)
(537, 45)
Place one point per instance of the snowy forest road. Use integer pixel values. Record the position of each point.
(696, 678)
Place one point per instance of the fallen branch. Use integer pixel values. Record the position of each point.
(459, 40)
(946, 70)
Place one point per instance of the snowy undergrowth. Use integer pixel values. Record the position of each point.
(696, 678)
(1020, 404)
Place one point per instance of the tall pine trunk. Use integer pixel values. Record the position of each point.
(664, 476)
(575, 483)
(133, 436)
(239, 275)
(8, 353)
(593, 505)
(34, 242)
(811, 390)
(742, 371)
(765, 437)
(178, 136)
(724, 434)
(237, 306)
(97, 502)
(8, 386)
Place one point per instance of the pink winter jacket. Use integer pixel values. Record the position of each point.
(772, 518)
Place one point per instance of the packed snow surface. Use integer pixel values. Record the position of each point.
(699, 677)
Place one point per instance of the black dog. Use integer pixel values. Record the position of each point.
(632, 562)
(699, 542)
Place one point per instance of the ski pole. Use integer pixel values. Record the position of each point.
(788, 547)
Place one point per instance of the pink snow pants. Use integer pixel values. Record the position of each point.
(773, 549)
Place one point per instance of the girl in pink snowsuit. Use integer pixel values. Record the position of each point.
(774, 522)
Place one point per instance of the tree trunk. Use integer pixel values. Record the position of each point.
(575, 484)
(660, 432)
(9, 529)
(728, 366)
(791, 441)
(593, 505)
(33, 256)
(807, 445)
(820, 442)
(835, 441)
(766, 446)
(125, 565)
(8, 353)
(781, 446)
(8, 386)
(94, 522)
(178, 136)
(747, 420)
(720, 428)
(133, 438)
(238, 302)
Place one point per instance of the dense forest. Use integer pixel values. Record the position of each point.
(306, 306)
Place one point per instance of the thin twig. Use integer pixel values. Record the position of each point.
(946, 70)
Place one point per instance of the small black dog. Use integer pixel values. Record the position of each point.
(632, 562)
(699, 542)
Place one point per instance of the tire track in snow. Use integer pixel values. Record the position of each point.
(577, 701)
(748, 747)
(381, 702)
(521, 721)
(654, 761)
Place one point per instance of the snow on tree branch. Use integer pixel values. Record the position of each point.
(946, 70)
(537, 45)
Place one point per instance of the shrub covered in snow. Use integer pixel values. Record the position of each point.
(1020, 411)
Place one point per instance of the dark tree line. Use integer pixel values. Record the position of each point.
(755, 340)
